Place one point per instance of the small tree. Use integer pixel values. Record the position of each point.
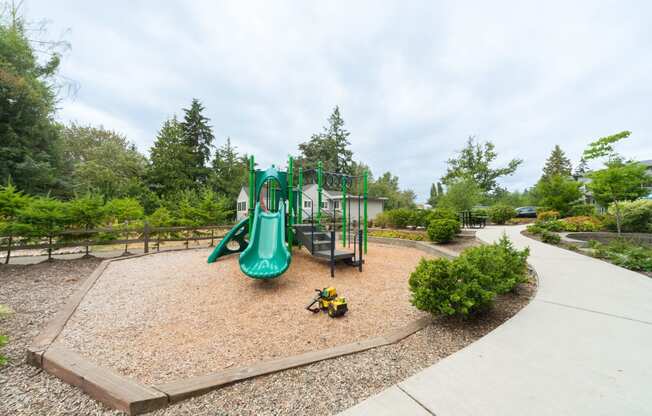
(121, 210)
(87, 212)
(557, 164)
(45, 217)
(558, 192)
(620, 181)
(11, 202)
(461, 195)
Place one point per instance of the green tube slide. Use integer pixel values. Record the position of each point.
(266, 255)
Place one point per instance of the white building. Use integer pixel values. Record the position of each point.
(331, 203)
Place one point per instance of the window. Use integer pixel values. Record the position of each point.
(307, 204)
(336, 204)
(324, 204)
(242, 206)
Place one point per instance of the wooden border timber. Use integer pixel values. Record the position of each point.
(132, 397)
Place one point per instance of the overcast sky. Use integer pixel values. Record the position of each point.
(413, 79)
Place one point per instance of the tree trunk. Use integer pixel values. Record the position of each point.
(9, 249)
(618, 217)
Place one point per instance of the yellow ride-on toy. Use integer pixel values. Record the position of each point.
(328, 301)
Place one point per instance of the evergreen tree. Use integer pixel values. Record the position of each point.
(229, 172)
(29, 138)
(436, 191)
(557, 164)
(198, 138)
(330, 147)
(170, 157)
(581, 170)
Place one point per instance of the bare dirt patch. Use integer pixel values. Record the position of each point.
(171, 315)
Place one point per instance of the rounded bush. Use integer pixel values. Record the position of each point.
(443, 231)
(399, 218)
(550, 237)
(547, 215)
(581, 223)
(636, 216)
(500, 214)
(468, 284)
(443, 214)
(583, 210)
(382, 220)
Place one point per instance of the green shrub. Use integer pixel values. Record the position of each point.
(443, 214)
(445, 287)
(468, 284)
(399, 218)
(550, 237)
(625, 254)
(547, 215)
(636, 216)
(420, 217)
(581, 223)
(443, 231)
(499, 214)
(551, 225)
(535, 229)
(583, 210)
(382, 220)
(504, 264)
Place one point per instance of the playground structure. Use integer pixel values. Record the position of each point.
(277, 221)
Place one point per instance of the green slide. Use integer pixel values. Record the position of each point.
(267, 255)
(236, 234)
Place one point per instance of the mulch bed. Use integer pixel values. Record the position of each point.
(37, 292)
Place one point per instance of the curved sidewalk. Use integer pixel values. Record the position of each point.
(583, 346)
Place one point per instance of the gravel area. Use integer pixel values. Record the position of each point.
(172, 305)
(37, 292)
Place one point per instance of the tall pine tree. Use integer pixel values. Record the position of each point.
(198, 138)
(229, 171)
(170, 158)
(331, 146)
(557, 164)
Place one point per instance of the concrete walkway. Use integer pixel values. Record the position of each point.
(583, 346)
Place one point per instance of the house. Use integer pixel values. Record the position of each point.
(331, 203)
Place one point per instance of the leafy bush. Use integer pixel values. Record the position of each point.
(443, 214)
(535, 229)
(625, 254)
(399, 217)
(382, 220)
(403, 235)
(468, 284)
(450, 287)
(420, 217)
(547, 215)
(636, 216)
(499, 214)
(443, 231)
(583, 210)
(581, 223)
(550, 237)
(4, 312)
(504, 264)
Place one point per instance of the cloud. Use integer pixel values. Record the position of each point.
(413, 79)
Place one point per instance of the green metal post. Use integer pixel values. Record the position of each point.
(344, 212)
(252, 191)
(319, 184)
(300, 197)
(364, 191)
(290, 198)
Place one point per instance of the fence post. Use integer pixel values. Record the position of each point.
(212, 237)
(49, 246)
(332, 252)
(146, 237)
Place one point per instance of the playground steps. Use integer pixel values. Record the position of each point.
(318, 242)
